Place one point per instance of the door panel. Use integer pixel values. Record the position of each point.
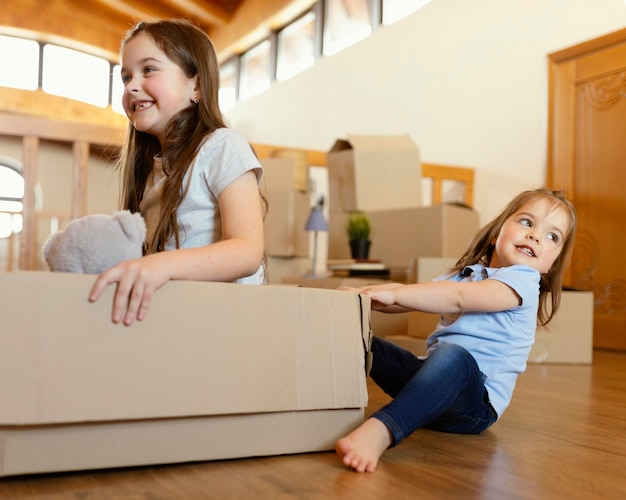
(587, 157)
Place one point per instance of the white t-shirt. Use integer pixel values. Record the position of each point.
(224, 156)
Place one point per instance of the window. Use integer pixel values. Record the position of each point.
(394, 10)
(288, 51)
(346, 23)
(22, 56)
(296, 47)
(117, 90)
(76, 75)
(228, 85)
(255, 70)
(11, 194)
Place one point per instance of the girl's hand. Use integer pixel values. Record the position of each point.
(137, 280)
(382, 295)
(381, 299)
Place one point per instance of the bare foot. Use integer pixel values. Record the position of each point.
(362, 448)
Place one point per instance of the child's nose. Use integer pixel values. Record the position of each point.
(533, 237)
(132, 85)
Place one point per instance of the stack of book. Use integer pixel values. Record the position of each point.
(357, 267)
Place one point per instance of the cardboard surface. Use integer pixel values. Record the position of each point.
(205, 350)
(28, 450)
(382, 324)
(289, 208)
(412, 344)
(369, 172)
(401, 235)
(429, 268)
(568, 338)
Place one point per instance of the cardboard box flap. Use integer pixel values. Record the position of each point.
(204, 349)
(340, 145)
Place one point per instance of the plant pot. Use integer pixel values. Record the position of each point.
(360, 249)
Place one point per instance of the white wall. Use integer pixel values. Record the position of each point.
(467, 79)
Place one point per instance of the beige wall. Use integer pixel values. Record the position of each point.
(466, 79)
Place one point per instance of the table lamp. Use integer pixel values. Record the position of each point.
(316, 223)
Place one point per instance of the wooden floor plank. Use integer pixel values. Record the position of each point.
(564, 436)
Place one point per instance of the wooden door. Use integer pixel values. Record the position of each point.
(587, 157)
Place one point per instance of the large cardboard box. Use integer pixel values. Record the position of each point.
(382, 324)
(215, 371)
(289, 208)
(401, 235)
(568, 338)
(372, 172)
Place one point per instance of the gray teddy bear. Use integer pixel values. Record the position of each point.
(94, 243)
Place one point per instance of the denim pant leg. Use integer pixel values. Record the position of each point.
(445, 391)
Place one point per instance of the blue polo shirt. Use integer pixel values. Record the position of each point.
(499, 341)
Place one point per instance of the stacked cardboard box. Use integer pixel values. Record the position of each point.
(399, 236)
(381, 176)
(215, 371)
(289, 207)
(370, 172)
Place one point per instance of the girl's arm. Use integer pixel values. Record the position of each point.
(443, 297)
(240, 251)
(238, 254)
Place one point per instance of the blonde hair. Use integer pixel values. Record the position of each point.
(482, 247)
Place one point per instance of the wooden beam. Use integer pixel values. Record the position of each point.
(314, 157)
(30, 152)
(57, 130)
(252, 22)
(80, 171)
(208, 13)
(39, 104)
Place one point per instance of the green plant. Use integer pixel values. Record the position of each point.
(358, 226)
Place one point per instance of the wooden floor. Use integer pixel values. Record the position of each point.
(563, 437)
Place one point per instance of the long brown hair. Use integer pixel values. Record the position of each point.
(482, 247)
(191, 49)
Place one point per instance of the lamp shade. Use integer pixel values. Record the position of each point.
(316, 221)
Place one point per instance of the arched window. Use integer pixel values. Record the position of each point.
(11, 194)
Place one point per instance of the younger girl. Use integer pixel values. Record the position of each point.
(490, 304)
(195, 181)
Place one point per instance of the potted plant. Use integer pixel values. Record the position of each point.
(359, 228)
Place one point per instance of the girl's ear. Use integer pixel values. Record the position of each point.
(197, 94)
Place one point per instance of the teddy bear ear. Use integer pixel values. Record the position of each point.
(47, 247)
(50, 251)
(133, 225)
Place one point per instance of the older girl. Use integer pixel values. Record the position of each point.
(195, 181)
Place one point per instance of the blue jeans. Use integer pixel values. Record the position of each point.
(445, 391)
